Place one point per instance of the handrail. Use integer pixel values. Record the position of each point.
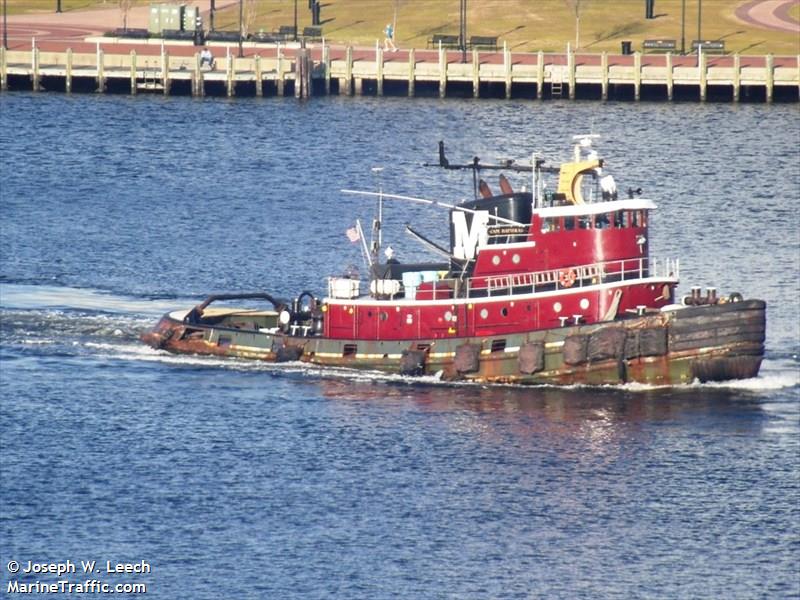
(584, 275)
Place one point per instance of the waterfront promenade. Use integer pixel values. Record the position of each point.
(108, 64)
(66, 52)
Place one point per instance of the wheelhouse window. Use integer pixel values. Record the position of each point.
(551, 224)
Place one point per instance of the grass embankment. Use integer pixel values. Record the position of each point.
(525, 25)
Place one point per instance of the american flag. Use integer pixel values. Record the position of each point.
(352, 234)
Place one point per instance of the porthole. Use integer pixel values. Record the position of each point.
(496, 259)
(484, 313)
(504, 311)
(383, 315)
(584, 303)
(557, 307)
(448, 316)
(515, 259)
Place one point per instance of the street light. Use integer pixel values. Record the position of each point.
(241, 21)
(699, 14)
(5, 25)
(462, 34)
(683, 26)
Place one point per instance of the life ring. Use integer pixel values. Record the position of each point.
(566, 277)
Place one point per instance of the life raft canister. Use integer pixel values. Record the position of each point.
(566, 277)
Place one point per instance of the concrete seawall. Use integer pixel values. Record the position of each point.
(116, 66)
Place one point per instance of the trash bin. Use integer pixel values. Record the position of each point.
(626, 47)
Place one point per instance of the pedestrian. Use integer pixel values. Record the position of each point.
(388, 42)
(206, 58)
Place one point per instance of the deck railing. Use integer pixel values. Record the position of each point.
(577, 276)
(516, 283)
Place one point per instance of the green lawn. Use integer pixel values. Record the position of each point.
(525, 25)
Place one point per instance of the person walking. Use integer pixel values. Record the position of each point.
(388, 42)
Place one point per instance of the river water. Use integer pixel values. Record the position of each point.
(239, 480)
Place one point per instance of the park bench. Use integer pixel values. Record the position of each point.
(659, 45)
(223, 36)
(177, 34)
(265, 37)
(709, 46)
(283, 34)
(312, 34)
(287, 32)
(483, 41)
(446, 40)
(139, 34)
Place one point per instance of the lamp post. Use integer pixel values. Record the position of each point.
(699, 19)
(5, 25)
(683, 27)
(241, 21)
(58, 6)
(212, 10)
(295, 20)
(462, 34)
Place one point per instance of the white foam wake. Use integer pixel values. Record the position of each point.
(36, 297)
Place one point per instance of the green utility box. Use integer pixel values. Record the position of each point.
(190, 18)
(168, 17)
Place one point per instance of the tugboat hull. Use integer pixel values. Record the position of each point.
(707, 343)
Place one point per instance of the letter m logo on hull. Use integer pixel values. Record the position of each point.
(467, 234)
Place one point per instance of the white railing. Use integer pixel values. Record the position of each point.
(576, 276)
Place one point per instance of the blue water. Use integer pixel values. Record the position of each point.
(241, 480)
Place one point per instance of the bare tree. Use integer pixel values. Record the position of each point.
(575, 7)
(250, 11)
(397, 5)
(125, 7)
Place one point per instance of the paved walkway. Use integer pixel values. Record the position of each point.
(769, 14)
(80, 24)
(59, 31)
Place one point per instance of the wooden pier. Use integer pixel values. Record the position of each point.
(325, 69)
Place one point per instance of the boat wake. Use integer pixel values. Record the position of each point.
(34, 297)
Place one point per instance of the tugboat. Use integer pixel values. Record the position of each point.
(539, 286)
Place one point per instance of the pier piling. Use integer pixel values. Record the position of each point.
(133, 73)
(3, 70)
(326, 65)
(412, 66)
(101, 76)
(68, 72)
(359, 72)
(35, 67)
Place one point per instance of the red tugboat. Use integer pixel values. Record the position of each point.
(537, 287)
